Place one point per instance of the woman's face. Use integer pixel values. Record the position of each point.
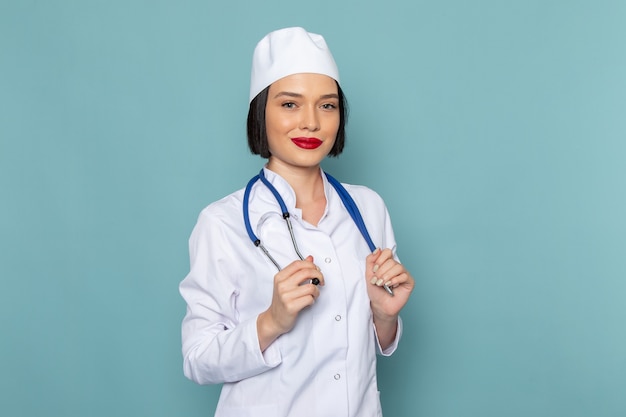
(301, 120)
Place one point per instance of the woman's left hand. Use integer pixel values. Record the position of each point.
(383, 269)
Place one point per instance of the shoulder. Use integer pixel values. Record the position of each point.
(374, 213)
(369, 202)
(361, 190)
(361, 193)
(225, 212)
(219, 228)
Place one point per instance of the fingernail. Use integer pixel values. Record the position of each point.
(379, 282)
(374, 280)
(375, 268)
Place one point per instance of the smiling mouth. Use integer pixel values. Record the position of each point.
(307, 143)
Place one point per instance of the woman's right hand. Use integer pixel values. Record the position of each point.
(292, 293)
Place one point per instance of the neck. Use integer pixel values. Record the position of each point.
(308, 186)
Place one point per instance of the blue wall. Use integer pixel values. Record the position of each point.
(495, 130)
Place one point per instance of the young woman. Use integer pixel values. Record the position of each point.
(288, 297)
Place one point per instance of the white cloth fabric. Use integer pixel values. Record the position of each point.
(326, 365)
(289, 51)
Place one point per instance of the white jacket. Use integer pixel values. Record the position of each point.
(326, 365)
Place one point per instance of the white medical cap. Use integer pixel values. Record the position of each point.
(289, 51)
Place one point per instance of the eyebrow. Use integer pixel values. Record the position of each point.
(297, 95)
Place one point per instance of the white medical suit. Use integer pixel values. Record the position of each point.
(324, 366)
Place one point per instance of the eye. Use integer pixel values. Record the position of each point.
(329, 106)
(289, 105)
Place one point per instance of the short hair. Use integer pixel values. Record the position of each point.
(257, 133)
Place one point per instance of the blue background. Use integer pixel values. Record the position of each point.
(495, 131)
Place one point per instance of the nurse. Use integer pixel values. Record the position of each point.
(293, 329)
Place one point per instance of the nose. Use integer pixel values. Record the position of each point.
(310, 119)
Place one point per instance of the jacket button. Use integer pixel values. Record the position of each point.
(337, 377)
(337, 317)
(328, 260)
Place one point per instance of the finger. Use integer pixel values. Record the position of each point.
(393, 277)
(300, 277)
(294, 267)
(308, 276)
(314, 280)
(300, 303)
(388, 268)
(383, 257)
(299, 297)
(385, 274)
(317, 279)
(386, 282)
(371, 259)
(403, 279)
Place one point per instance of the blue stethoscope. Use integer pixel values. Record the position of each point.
(345, 197)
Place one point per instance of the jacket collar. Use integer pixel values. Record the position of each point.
(288, 194)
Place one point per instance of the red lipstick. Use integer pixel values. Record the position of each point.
(307, 143)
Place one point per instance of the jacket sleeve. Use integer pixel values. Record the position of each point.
(394, 345)
(217, 346)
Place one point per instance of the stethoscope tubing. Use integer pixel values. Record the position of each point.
(353, 210)
(345, 197)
